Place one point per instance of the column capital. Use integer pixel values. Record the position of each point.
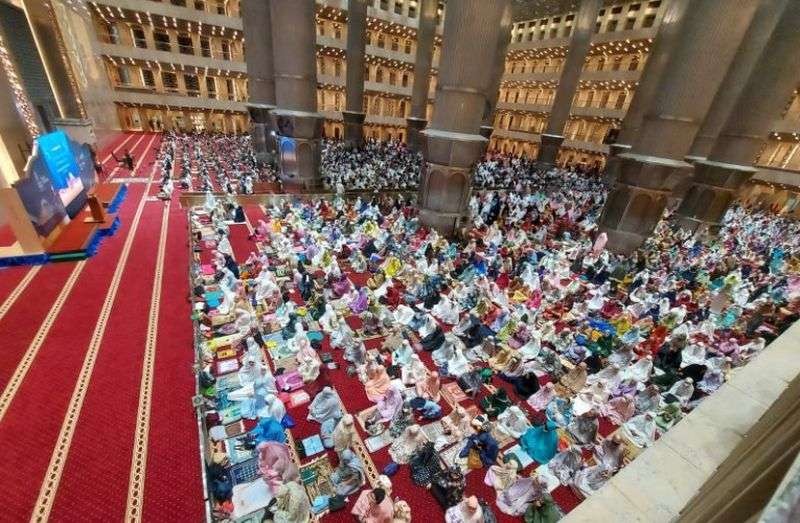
(297, 124)
(458, 150)
(259, 112)
(354, 117)
(416, 123)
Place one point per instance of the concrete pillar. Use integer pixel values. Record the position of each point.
(452, 142)
(762, 26)
(257, 25)
(423, 62)
(655, 164)
(763, 99)
(297, 123)
(353, 114)
(669, 34)
(579, 45)
(493, 93)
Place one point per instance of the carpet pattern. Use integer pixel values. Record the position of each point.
(96, 371)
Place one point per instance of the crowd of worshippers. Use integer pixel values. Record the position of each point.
(543, 329)
(211, 162)
(374, 166)
(227, 163)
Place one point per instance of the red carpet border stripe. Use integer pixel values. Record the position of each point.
(33, 349)
(52, 477)
(133, 511)
(21, 286)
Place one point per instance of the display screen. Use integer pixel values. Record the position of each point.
(45, 208)
(64, 172)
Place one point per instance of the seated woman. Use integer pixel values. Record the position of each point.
(309, 367)
(414, 372)
(573, 381)
(360, 301)
(404, 446)
(342, 336)
(430, 388)
(275, 465)
(357, 262)
(402, 353)
(377, 382)
(325, 406)
(565, 464)
(431, 335)
(370, 325)
(513, 422)
(376, 280)
(340, 286)
(540, 442)
(641, 429)
(446, 311)
(349, 475)
(373, 506)
(390, 404)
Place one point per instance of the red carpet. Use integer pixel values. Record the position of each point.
(94, 481)
(173, 488)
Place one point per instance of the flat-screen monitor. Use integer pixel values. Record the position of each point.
(64, 172)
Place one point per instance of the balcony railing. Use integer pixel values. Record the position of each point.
(191, 93)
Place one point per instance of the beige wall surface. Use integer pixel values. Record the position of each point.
(90, 74)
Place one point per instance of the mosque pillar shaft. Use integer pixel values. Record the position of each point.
(423, 62)
(669, 35)
(452, 142)
(257, 25)
(579, 45)
(353, 114)
(493, 92)
(741, 138)
(669, 31)
(747, 56)
(655, 165)
(297, 124)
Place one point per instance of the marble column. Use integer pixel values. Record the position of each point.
(748, 54)
(257, 25)
(297, 123)
(423, 62)
(579, 45)
(452, 143)
(493, 93)
(761, 102)
(353, 114)
(668, 36)
(655, 163)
